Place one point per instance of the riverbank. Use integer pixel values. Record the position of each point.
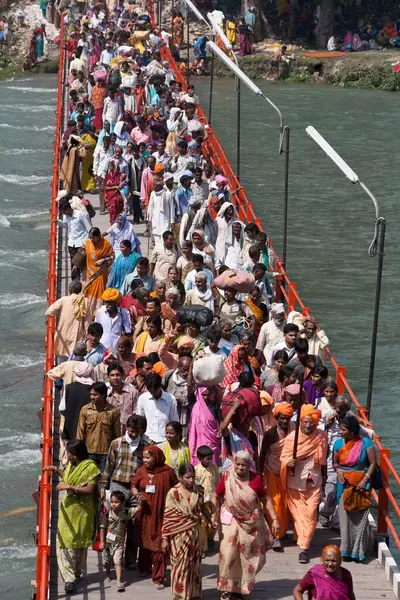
(369, 70)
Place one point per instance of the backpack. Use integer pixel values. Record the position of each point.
(250, 404)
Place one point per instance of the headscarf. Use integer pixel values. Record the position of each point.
(312, 320)
(224, 208)
(307, 410)
(159, 168)
(103, 132)
(276, 309)
(232, 366)
(123, 137)
(112, 295)
(124, 218)
(221, 179)
(159, 458)
(293, 389)
(283, 408)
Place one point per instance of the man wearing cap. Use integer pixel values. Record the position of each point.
(114, 320)
(141, 133)
(181, 162)
(183, 194)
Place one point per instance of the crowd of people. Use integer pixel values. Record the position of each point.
(182, 380)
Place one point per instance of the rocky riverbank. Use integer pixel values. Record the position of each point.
(373, 69)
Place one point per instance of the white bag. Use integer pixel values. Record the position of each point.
(209, 370)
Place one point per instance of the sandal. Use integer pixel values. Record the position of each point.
(159, 586)
(225, 596)
(120, 587)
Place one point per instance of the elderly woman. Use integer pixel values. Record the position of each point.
(228, 339)
(246, 536)
(152, 481)
(302, 477)
(169, 308)
(236, 363)
(184, 507)
(202, 248)
(328, 580)
(234, 245)
(201, 294)
(76, 520)
(122, 230)
(226, 216)
(354, 461)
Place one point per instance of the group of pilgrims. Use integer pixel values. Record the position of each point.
(195, 412)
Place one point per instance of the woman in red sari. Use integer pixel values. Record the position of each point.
(153, 481)
(112, 195)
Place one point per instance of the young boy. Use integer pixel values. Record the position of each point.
(207, 476)
(112, 535)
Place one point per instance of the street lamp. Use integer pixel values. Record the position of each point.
(376, 247)
(218, 31)
(284, 133)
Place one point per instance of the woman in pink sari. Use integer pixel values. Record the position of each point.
(95, 52)
(246, 537)
(327, 581)
(204, 424)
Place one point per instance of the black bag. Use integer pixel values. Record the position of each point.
(376, 479)
(195, 313)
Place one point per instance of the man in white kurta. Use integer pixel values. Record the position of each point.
(161, 211)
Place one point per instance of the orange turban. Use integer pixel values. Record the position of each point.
(307, 410)
(112, 295)
(159, 168)
(283, 408)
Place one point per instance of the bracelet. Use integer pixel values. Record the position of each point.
(367, 476)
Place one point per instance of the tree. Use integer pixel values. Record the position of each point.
(324, 28)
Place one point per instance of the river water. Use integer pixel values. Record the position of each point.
(331, 224)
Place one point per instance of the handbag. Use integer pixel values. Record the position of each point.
(376, 479)
(79, 259)
(356, 500)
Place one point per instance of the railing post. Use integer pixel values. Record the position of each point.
(383, 500)
(340, 373)
(292, 297)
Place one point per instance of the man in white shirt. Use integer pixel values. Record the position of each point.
(164, 256)
(161, 156)
(290, 333)
(114, 320)
(190, 97)
(161, 210)
(112, 108)
(78, 226)
(198, 264)
(106, 56)
(101, 157)
(158, 407)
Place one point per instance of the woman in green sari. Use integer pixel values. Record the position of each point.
(76, 521)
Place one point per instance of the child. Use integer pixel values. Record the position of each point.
(112, 534)
(207, 476)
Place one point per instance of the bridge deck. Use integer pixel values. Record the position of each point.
(277, 579)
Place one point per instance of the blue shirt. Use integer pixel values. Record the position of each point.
(182, 197)
(96, 356)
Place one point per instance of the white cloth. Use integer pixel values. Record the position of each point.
(78, 226)
(113, 327)
(106, 57)
(100, 159)
(112, 110)
(161, 211)
(270, 335)
(158, 413)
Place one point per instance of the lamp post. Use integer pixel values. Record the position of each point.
(377, 246)
(284, 133)
(218, 31)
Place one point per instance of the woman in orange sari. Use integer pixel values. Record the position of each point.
(177, 29)
(169, 308)
(302, 477)
(99, 257)
(256, 310)
(246, 536)
(184, 506)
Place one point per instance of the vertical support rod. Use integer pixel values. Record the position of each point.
(238, 129)
(211, 87)
(383, 500)
(188, 49)
(381, 248)
(286, 196)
